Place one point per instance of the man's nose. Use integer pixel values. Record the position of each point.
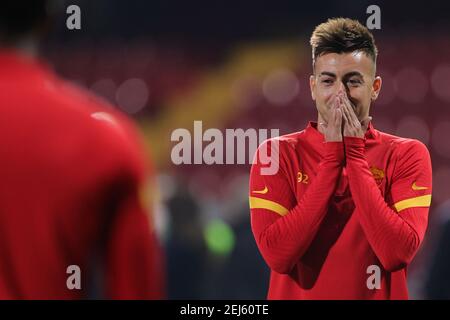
(341, 88)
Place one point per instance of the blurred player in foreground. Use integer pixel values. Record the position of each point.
(71, 175)
(348, 208)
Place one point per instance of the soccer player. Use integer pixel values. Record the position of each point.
(347, 210)
(72, 222)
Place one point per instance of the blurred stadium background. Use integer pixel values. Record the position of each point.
(246, 65)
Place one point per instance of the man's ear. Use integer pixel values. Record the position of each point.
(312, 86)
(376, 87)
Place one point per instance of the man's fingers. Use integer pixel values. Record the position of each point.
(351, 118)
(350, 111)
(338, 120)
(352, 126)
(345, 112)
(345, 116)
(347, 101)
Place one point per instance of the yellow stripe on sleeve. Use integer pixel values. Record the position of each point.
(258, 203)
(422, 201)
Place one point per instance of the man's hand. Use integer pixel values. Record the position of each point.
(352, 126)
(333, 129)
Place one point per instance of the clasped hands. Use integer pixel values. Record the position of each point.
(342, 121)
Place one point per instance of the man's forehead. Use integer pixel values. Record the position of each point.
(342, 63)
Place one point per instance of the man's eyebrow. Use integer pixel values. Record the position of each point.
(327, 73)
(346, 76)
(353, 73)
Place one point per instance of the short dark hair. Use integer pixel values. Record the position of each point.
(342, 35)
(20, 17)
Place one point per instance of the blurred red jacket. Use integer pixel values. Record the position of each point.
(72, 174)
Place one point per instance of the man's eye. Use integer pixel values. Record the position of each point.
(327, 81)
(354, 82)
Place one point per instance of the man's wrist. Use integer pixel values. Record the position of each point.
(354, 148)
(334, 152)
(354, 141)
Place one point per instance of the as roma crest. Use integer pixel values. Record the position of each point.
(377, 174)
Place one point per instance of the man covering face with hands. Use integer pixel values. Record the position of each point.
(347, 210)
